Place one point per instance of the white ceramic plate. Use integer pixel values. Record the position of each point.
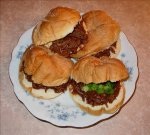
(62, 111)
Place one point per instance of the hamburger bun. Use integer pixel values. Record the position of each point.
(46, 68)
(93, 70)
(98, 70)
(102, 31)
(59, 22)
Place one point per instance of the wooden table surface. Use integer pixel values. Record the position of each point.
(16, 16)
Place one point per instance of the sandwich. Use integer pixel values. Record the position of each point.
(97, 84)
(61, 31)
(103, 35)
(44, 74)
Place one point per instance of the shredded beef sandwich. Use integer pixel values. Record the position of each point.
(43, 73)
(62, 31)
(96, 85)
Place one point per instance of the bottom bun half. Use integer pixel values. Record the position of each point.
(100, 109)
(38, 93)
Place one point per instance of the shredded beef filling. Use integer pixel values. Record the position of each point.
(106, 52)
(70, 44)
(92, 97)
(57, 89)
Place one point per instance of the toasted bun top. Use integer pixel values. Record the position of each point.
(102, 30)
(57, 24)
(95, 70)
(45, 67)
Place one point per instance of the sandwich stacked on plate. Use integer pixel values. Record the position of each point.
(43, 73)
(96, 84)
(95, 79)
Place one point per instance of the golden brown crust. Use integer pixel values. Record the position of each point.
(45, 67)
(98, 110)
(94, 70)
(57, 24)
(102, 32)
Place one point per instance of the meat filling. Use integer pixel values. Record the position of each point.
(106, 52)
(57, 89)
(92, 97)
(71, 43)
